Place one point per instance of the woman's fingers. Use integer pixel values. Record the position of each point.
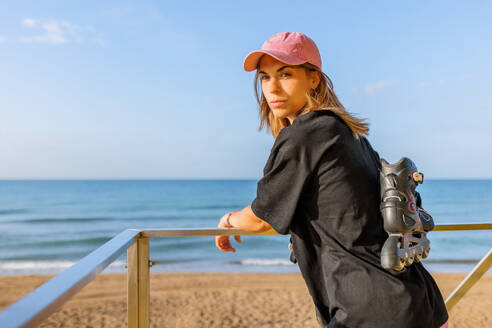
(290, 246)
(224, 244)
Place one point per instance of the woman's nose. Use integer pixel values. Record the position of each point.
(273, 86)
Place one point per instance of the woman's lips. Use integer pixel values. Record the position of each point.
(278, 103)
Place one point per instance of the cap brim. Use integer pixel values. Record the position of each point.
(251, 60)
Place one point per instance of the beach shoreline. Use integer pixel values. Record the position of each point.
(220, 300)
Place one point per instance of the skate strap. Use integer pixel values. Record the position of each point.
(409, 206)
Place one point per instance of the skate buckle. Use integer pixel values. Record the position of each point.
(412, 207)
(418, 177)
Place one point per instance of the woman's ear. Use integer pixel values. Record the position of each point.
(314, 79)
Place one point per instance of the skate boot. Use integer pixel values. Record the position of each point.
(405, 221)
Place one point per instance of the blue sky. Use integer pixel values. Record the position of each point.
(155, 89)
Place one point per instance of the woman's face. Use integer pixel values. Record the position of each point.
(284, 86)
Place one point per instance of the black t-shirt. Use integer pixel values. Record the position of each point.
(321, 185)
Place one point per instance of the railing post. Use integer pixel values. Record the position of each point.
(138, 295)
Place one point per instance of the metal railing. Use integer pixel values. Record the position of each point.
(35, 307)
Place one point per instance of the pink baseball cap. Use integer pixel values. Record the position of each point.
(292, 48)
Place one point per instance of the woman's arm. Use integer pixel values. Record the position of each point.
(243, 219)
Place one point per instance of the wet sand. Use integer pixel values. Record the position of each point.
(221, 300)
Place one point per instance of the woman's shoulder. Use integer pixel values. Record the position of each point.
(320, 120)
(320, 123)
(311, 129)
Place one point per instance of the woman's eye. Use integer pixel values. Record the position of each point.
(264, 77)
(285, 74)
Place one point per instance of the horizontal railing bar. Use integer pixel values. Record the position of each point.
(463, 227)
(229, 232)
(31, 310)
(149, 233)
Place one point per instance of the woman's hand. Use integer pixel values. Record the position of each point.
(223, 242)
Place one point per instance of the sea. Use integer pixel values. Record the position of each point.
(48, 225)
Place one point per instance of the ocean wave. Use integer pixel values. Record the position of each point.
(264, 262)
(43, 266)
(66, 242)
(214, 207)
(181, 244)
(13, 211)
(174, 261)
(63, 220)
(162, 218)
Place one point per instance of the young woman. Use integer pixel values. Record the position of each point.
(321, 186)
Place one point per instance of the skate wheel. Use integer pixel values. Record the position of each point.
(409, 261)
(400, 266)
(425, 253)
(420, 251)
(391, 258)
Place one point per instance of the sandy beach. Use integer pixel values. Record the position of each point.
(220, 300)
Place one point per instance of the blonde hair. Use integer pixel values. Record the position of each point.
(321, 98)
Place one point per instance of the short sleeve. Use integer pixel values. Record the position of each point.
(293, 160)
(278, 192)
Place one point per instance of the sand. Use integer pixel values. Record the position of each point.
(220, 300)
